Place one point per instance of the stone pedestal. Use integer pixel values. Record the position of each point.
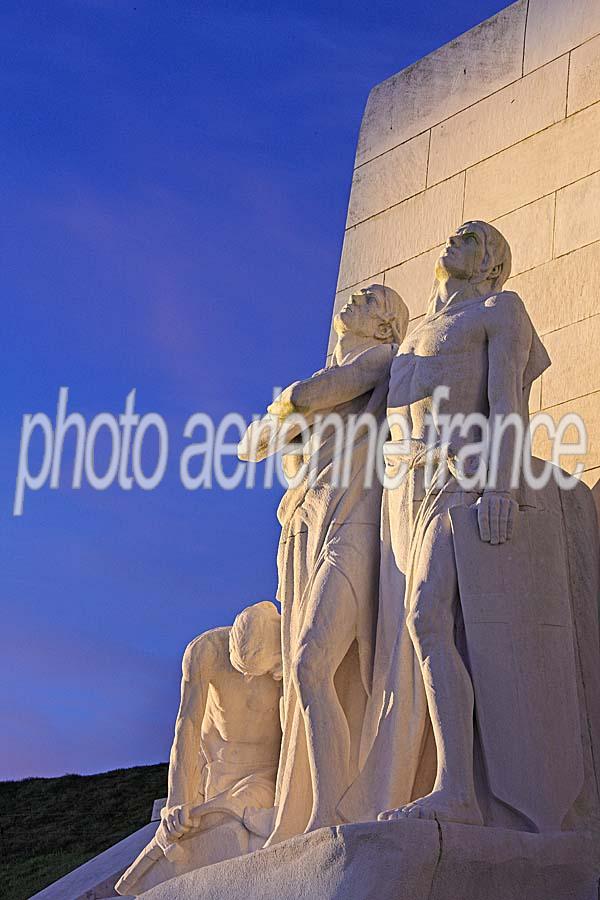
(409, 860)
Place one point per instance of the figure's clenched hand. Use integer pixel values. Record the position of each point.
(496, 513)
(176, 821)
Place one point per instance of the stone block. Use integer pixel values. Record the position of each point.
(398, 174)
(588, 409)
(507, 117)
(414, 280)
(529, 231)
(543, 163)
(561, 291)
(452, 78)
(402, 232)
(555, 26)
(577, 215)
(412, 860)
(591, 477)
(584, 76)
(575, 369)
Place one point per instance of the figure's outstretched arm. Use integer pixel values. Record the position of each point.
(338, 384)
(184, 764)
(303, 399)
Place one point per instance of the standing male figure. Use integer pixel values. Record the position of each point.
(328, 562)
(479, 343)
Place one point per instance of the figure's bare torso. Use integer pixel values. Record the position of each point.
(449, 348)
(241, 718)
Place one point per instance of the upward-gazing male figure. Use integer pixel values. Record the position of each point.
(328, 564)
(478, 342)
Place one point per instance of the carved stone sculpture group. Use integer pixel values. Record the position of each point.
(438, 637)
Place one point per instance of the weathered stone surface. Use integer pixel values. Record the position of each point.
(467, 69)
(575, 370)
(412, 860)
(414, 280)
(497, 122)
(529, 232)
(584, 76)
(577, 215)
(588, 408)
(537, 166)
(555, 26)
(521, 866)
(579, 510)
(562, 291)
(398, 174)
(591, 477)
(402, 232)
(532, 568)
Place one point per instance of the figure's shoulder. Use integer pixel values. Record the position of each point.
(207, 651)
(506, 310)
(505, 303)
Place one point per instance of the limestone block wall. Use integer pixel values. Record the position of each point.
(501, 124)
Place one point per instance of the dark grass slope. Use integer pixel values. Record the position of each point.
(49, 826)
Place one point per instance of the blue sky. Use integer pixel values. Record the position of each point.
(174, 182)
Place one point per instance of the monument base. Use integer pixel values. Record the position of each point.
(407, 860)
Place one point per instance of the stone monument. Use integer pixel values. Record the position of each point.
(480, 728)
(438, 736)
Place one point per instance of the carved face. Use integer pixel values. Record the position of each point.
(463, 254)
(360, 314)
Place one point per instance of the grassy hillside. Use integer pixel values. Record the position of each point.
(49, 826)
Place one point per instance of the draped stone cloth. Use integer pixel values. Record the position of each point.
(252, 784)
(324, 527)
(397, 754)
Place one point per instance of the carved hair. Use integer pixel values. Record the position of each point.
(255, 639)
(392, 310)
(497, 252)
